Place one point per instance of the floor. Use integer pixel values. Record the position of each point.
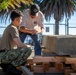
(1, 72)
(50, 74)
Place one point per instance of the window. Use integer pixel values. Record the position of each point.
(47, 29)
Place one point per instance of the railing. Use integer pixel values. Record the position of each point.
(49, 28)
(63, 29)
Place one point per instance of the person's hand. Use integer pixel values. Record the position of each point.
(38, 29)
(33, 32)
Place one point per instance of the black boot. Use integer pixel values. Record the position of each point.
(4, 66)
(12, 70)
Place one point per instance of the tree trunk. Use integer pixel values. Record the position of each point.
(56, 27)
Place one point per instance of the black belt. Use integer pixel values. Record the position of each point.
(2, 51)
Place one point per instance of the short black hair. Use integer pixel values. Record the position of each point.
(34, 9)
(15, 14)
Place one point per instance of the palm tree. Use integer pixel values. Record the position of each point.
(7, 5)
(58, 9)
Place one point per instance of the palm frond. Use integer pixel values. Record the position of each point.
(7, 5)
(58, 8)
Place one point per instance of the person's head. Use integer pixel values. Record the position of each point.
(34, 9)
(16, 17)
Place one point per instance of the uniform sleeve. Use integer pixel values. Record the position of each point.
(41, 20)
(14, 32)
(24, 20)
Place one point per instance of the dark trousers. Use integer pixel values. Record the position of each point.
(34, 37)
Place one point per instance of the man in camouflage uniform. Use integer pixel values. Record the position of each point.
(10, 39)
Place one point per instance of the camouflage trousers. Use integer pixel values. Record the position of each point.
(15, 56)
